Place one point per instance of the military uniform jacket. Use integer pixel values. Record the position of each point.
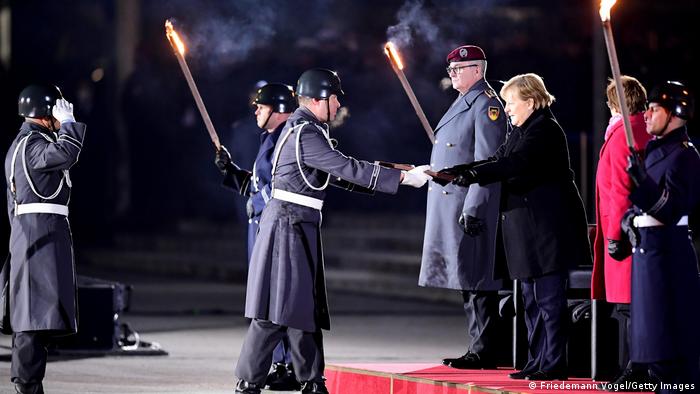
(471, 130)
(42, 275)
(543, 222)
(665, 288)
(286, 282)
(256, 184)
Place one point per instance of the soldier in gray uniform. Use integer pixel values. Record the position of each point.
(286, 290)
(42, 270)
(459, 246)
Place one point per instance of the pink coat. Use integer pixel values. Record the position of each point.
(611, 278)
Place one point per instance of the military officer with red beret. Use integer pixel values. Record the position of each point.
(460, 232)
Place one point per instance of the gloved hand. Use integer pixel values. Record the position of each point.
(223, 160)
(635, 168)
(249, 208)
(627, 227)
(459, 169)
(63, 111)
(619, 250)
(416, 177)
(465, 179)
(471, 225)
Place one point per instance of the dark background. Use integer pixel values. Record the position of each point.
(148, 162)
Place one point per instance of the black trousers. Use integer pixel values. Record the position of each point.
(29, 357)
(481, 308)
(263, 336)
(546, 319)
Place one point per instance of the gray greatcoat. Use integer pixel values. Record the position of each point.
(471, 130)
(286, 282)
(42, 274)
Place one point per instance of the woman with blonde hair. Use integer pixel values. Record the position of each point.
(542, 219)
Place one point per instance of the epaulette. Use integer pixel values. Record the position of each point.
(490, 93)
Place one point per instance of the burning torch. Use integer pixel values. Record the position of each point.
(605, 6)
(397, 65)
(179, 49)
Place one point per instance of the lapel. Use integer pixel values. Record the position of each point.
(462, 103)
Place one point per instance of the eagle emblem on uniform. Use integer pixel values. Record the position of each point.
(493, 113)
(463, 52)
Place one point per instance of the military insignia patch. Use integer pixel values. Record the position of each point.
(463, 52)
(494, 112)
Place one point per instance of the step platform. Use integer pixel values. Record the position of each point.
(353, 378)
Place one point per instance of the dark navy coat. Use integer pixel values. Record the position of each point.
(286, 282)
(665, 287)
(42, 275)
(543, 222)
(471, 130)
(257, 187)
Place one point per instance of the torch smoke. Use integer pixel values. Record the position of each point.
(340, 117)
(413, 19)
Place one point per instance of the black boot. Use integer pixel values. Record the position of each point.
(313, 388)
(282, 378)
(631, 379)
(29, 388)
(470, 361)
(243, 387)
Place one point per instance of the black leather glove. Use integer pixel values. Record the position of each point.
(472, 226)
(619, 249)
(628, 228)
(635, 168)
(223, 160)
(459, 169)
(249, 208)
(465, 179)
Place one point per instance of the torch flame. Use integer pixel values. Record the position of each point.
(174, 38)
(605, 6)
(393, 54)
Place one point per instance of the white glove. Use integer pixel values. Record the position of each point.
(63, 111)
(416, 177)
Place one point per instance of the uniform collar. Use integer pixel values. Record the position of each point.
(31, 126)
(304, 114)
(265, 135)
(463, 102)
(659, 148)
(674, 137)
(476, 89)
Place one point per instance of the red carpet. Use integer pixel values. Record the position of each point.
(438, 379)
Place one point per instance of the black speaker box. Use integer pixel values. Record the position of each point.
(100, 303)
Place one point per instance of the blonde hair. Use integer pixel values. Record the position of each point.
(635, 95)
(529, 86)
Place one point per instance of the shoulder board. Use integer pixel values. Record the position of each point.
(490, 93)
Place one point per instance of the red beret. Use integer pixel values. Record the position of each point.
(466, 53)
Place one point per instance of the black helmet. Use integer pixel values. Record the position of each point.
(319, 83)
(279, 96)
(36, 101)
(675, 97)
